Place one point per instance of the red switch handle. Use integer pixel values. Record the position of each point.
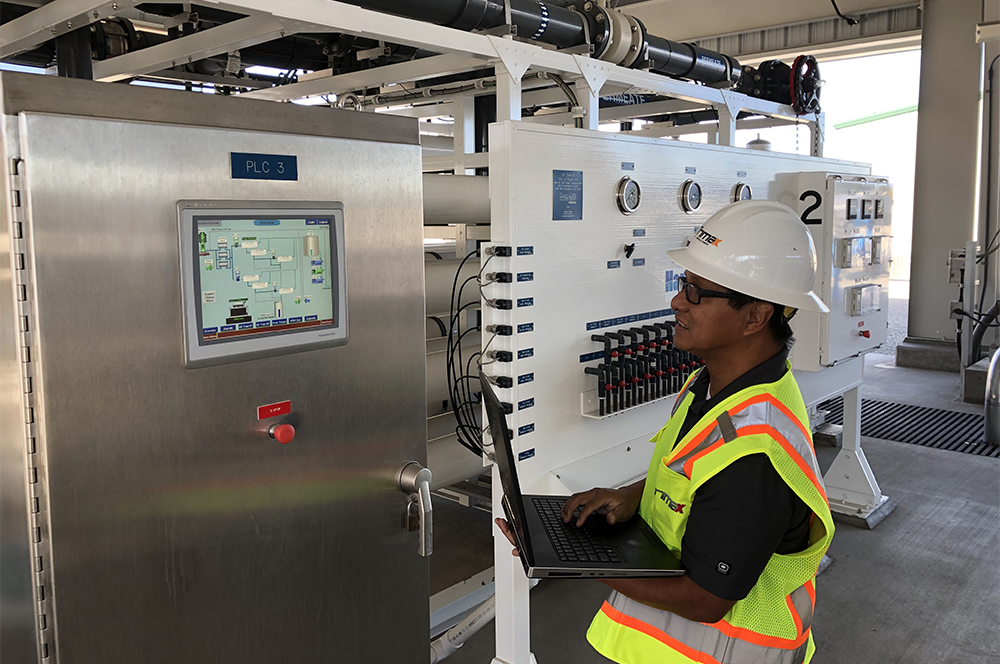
(865, 333)
(283, 433)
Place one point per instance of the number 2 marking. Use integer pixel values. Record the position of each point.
(818, 201)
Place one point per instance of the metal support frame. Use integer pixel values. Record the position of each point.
(53, 20)
(205, 43)
(851, 486)
(464, 139)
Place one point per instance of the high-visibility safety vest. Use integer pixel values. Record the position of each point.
(772, 624)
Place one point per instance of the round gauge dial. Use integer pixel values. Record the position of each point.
(629, 195)
(691, 196)
(742, 192)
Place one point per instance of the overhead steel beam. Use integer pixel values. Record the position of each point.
(52, 20)
(205, 43)
(658, 130)
(496, 51)
(414, 70)
(624, 112)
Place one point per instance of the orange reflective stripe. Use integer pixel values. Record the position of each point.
(710, 448)
(795, 614)
(659, 635)
(811, 589)
(792, 452)
(750, 636)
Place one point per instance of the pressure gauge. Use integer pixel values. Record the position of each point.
(742, 192)
(629, 195)
(691, 196)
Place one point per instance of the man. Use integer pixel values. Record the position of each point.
(733, 486)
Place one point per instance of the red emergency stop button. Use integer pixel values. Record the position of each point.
(283, 433)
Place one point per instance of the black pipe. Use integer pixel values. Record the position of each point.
(73, 54)
(562, 28)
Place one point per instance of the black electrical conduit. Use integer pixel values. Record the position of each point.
(979, 332)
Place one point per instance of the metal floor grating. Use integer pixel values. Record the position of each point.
(917, 425)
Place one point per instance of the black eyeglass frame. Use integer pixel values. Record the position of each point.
(686, 286)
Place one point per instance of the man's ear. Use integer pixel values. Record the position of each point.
(759, 315)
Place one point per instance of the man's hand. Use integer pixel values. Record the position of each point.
(508, 533)
(618, 504)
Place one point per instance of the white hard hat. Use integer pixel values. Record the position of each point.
(759, 248)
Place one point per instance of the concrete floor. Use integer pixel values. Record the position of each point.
(922, 588)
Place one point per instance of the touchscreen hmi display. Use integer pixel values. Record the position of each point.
(260, 277)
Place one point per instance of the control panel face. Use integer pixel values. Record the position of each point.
(577, 313)
(850, 218)
(261, 279)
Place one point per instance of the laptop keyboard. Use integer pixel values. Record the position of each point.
(572, 544)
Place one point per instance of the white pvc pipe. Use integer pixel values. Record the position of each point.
(453, 639)
(456, 199)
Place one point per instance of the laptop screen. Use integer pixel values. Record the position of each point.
(505, 462)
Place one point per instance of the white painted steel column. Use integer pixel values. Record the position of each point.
(850, 482)
(465, 132)
(589, 100)
(513, 616)
(947, 146)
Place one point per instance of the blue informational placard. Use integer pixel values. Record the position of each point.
(253, 166)
(567, 195)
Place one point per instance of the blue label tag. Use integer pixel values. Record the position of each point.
(525, 276)
(527, 428)
(246, 326)
(279, 321)
(567, 195)
(266, 222)
(526, 378)
(228, 328)
(527, 454)
(526, 353)
(264, 323)
(311, 318)
(253, 166)
(525, 301)
(622, 320)
(590, 357)
(527, 403)
(638, 262)
(297, 319)
(638, 232)
(526, 327)
(614, 264)
(525, 251)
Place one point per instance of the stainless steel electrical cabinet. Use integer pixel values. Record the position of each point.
(147, 514)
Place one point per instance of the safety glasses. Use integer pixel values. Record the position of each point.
(694, 293)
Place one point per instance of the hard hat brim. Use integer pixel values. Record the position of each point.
(807, 301)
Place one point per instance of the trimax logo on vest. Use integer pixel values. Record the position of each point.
(669, 501)
(708, 238)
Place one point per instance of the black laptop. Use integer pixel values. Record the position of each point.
(550, 548)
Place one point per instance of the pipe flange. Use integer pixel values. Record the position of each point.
(599, 26)
(621, 37)
(637, 46)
